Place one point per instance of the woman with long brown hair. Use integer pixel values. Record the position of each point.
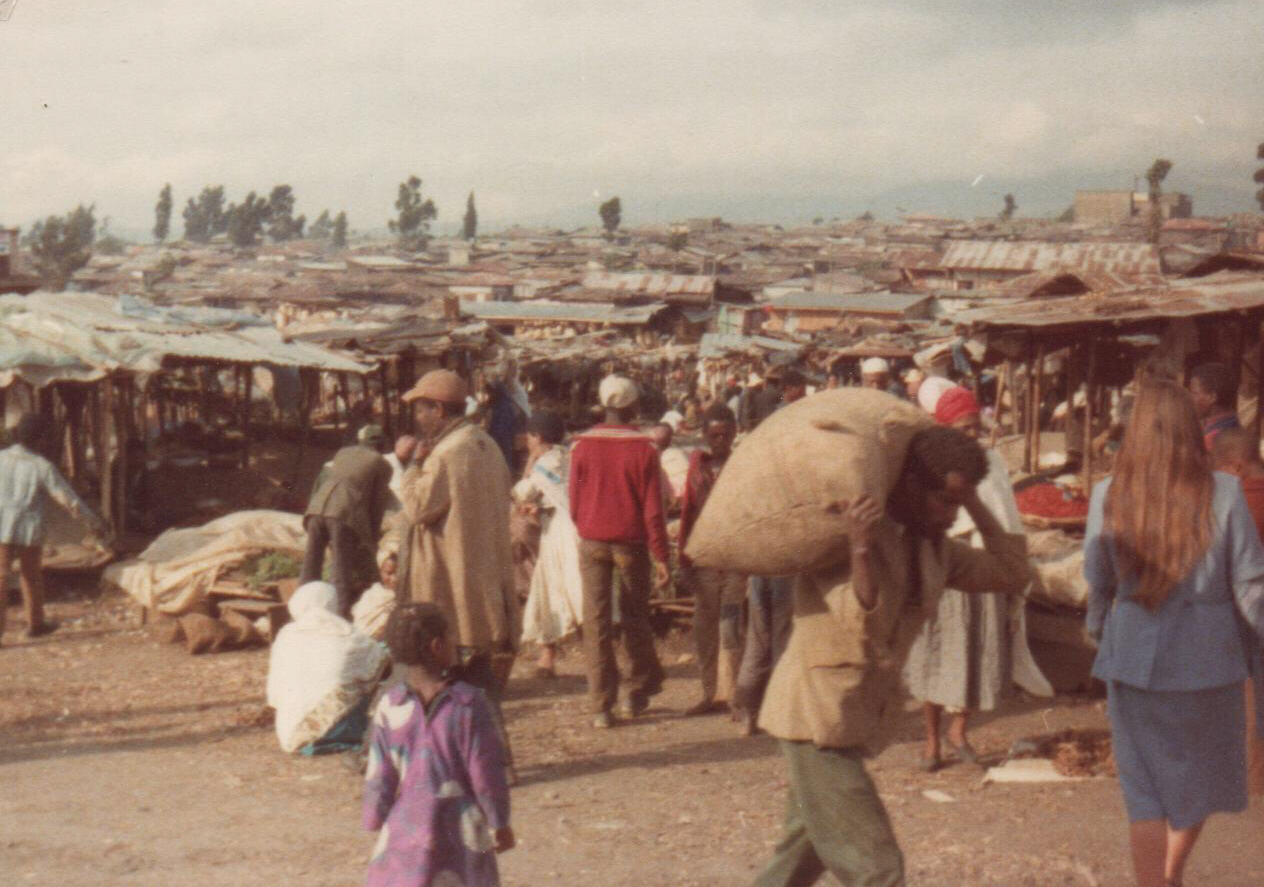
(1175, 570)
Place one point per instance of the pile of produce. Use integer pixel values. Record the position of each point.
(1052, 501)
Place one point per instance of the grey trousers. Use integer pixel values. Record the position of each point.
(770, 606)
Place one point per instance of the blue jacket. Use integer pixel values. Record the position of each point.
(1201, 637)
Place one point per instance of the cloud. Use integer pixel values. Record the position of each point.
(753, 109)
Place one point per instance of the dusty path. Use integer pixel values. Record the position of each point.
(129, 763)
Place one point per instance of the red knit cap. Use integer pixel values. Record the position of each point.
(955, 403)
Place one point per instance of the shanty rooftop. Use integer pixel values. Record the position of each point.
(1224, 293)
(859, 303)
(998, 255)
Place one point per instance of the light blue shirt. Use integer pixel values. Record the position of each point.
(1201, 637)
(28, 482)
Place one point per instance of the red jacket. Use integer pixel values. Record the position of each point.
(615, 489)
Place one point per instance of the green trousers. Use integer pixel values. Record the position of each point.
(835, 822)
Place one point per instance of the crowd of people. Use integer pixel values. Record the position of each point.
(928, 596)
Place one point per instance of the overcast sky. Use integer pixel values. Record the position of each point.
(764, 110)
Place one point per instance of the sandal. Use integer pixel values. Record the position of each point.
(966, 752)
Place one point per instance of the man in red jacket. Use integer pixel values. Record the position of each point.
(617, 505)
(717, 594)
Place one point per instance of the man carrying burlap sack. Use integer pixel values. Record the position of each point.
(616, 501)
(837, 687)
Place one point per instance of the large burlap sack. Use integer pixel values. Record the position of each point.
(205, 634)
(775, 509)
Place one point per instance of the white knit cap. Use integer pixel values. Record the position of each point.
(617, 392)
(930, 392)
(874, 365)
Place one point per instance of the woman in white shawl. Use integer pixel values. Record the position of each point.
(555, 599)
(321, 674)
(974, 647)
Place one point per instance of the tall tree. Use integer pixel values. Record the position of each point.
(205, 217)
(322, 228)
(1010, 205)
(282, 225)
(611, 213)
(245, 220)
(415, 214)
(1259, 177)
(340, 230)
(61, 245)
(469, 225)
(1154, 178)
(162, 214)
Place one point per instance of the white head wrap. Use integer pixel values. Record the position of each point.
(312, 598)
(874, 365)
(930, 392)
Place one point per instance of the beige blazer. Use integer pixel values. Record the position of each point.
(838, 683)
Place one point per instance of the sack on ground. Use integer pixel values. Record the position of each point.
(776, 507)
(205, 634)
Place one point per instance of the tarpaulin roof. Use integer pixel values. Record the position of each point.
(721, 344)
(90, 334)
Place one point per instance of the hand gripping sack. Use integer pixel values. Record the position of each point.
(776, 508)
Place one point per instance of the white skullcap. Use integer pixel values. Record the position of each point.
(874, 365)
(617, 392)
(914, 375)
(930, 392)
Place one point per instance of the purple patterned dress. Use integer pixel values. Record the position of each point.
(435, 790)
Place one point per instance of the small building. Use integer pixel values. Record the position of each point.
(12, 280)
(1108, 208)
(809, 312)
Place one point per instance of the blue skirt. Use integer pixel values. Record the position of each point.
(1181, 754)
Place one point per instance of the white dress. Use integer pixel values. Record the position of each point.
(555, 601)
(975, 646)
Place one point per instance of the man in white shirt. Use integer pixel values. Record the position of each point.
(28, 482)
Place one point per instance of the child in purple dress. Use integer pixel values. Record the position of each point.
(435, 789)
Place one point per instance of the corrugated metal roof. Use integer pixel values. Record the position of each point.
(660, 285)
(997, 255)
(562, 312)
(1218, 294)
(870, 303)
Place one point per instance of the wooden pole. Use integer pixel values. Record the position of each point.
(1090, 381)
(248, 382)
(1036, 401)
(388, 415)
(1028, 413)
(104, 417)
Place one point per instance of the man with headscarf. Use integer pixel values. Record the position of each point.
(345, 514)
(321, 675)
(615, 488)
(456, 549)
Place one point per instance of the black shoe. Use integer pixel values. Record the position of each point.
(37, 631)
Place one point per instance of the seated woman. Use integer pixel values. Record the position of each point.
(321, 675)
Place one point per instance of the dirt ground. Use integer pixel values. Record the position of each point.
(125, 762)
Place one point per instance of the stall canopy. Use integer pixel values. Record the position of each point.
(51, 337)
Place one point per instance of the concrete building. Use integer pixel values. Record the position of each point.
(1116, 207)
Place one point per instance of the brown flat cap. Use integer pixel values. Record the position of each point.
(442, 386)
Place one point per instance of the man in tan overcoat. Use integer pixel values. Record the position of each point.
(455, 551)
